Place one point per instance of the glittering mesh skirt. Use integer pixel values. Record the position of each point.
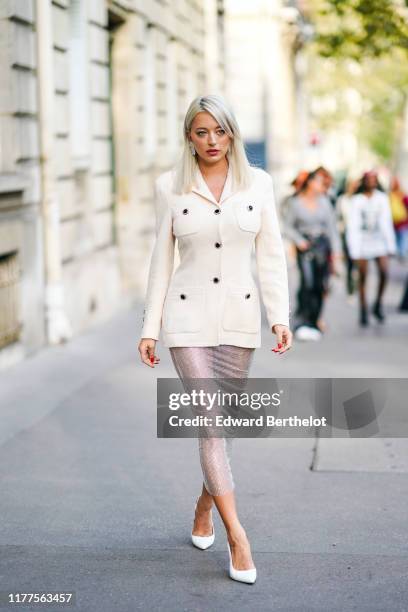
(222, 362)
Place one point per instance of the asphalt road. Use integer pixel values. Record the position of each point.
(92, 502)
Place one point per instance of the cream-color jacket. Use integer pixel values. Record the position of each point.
(212, 297)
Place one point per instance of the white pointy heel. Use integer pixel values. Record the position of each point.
(248, 576)
(203, 542)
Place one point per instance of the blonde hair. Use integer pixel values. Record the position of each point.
(186, 166)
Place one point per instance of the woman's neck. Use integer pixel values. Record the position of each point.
(209, 170)
(308, 194)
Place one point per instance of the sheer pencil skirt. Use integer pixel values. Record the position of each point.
(221, 362)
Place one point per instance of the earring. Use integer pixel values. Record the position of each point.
(192, 148)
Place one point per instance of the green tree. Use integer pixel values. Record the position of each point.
(363, 44)
(361, 28)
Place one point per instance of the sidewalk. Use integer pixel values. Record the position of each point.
(92, 501)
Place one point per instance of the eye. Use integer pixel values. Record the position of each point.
(221, 131)
(200, 133)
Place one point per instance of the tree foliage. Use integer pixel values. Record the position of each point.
(362, 45)
(357, 28)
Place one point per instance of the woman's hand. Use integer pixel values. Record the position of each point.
(335, 263)
(303, 245)
(283, 337)
(146, 350)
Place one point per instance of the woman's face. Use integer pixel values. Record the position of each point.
(210, 140)
(318, 184)
(370, 181)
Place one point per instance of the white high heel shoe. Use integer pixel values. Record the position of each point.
(202, 542)
(248, 575)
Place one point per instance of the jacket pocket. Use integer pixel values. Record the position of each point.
(185, 222)
(248, 216)
(183, 310)
(242, 311)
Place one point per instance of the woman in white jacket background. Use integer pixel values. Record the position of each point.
(218, 208)
(370, 236)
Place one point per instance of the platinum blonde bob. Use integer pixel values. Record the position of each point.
(186, 167)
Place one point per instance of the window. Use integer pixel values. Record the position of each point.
(78, 88)
(150, 95)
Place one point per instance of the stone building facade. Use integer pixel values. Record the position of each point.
(92, 95)
(264, 83)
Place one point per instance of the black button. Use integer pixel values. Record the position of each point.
(250, 207)
(248, 295)
(216, 280)
(217, 245)
(182, 295)
(185, 211)
(216, 211)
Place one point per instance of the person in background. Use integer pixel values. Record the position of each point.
(328, 182)
(342, 210)
(399, 210)
(370, 235)
(330, 193)
(296, 185)
(311, 224)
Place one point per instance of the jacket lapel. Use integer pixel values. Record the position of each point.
(203, 190)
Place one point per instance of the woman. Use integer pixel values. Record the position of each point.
(218, 208)
(370, 235)
(296, 185)
(310, 223)
(399, 211)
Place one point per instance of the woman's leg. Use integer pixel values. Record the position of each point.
(232, 362)
(320, 289)
(218, 362)
(362, 277)
(349, 266)
(195, 362)
(305, 287)
(382, 268)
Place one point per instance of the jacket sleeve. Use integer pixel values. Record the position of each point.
(289, 224)
(161, 266)
(387, 226)
(353, 229)
(332, 227)
(271, 263)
